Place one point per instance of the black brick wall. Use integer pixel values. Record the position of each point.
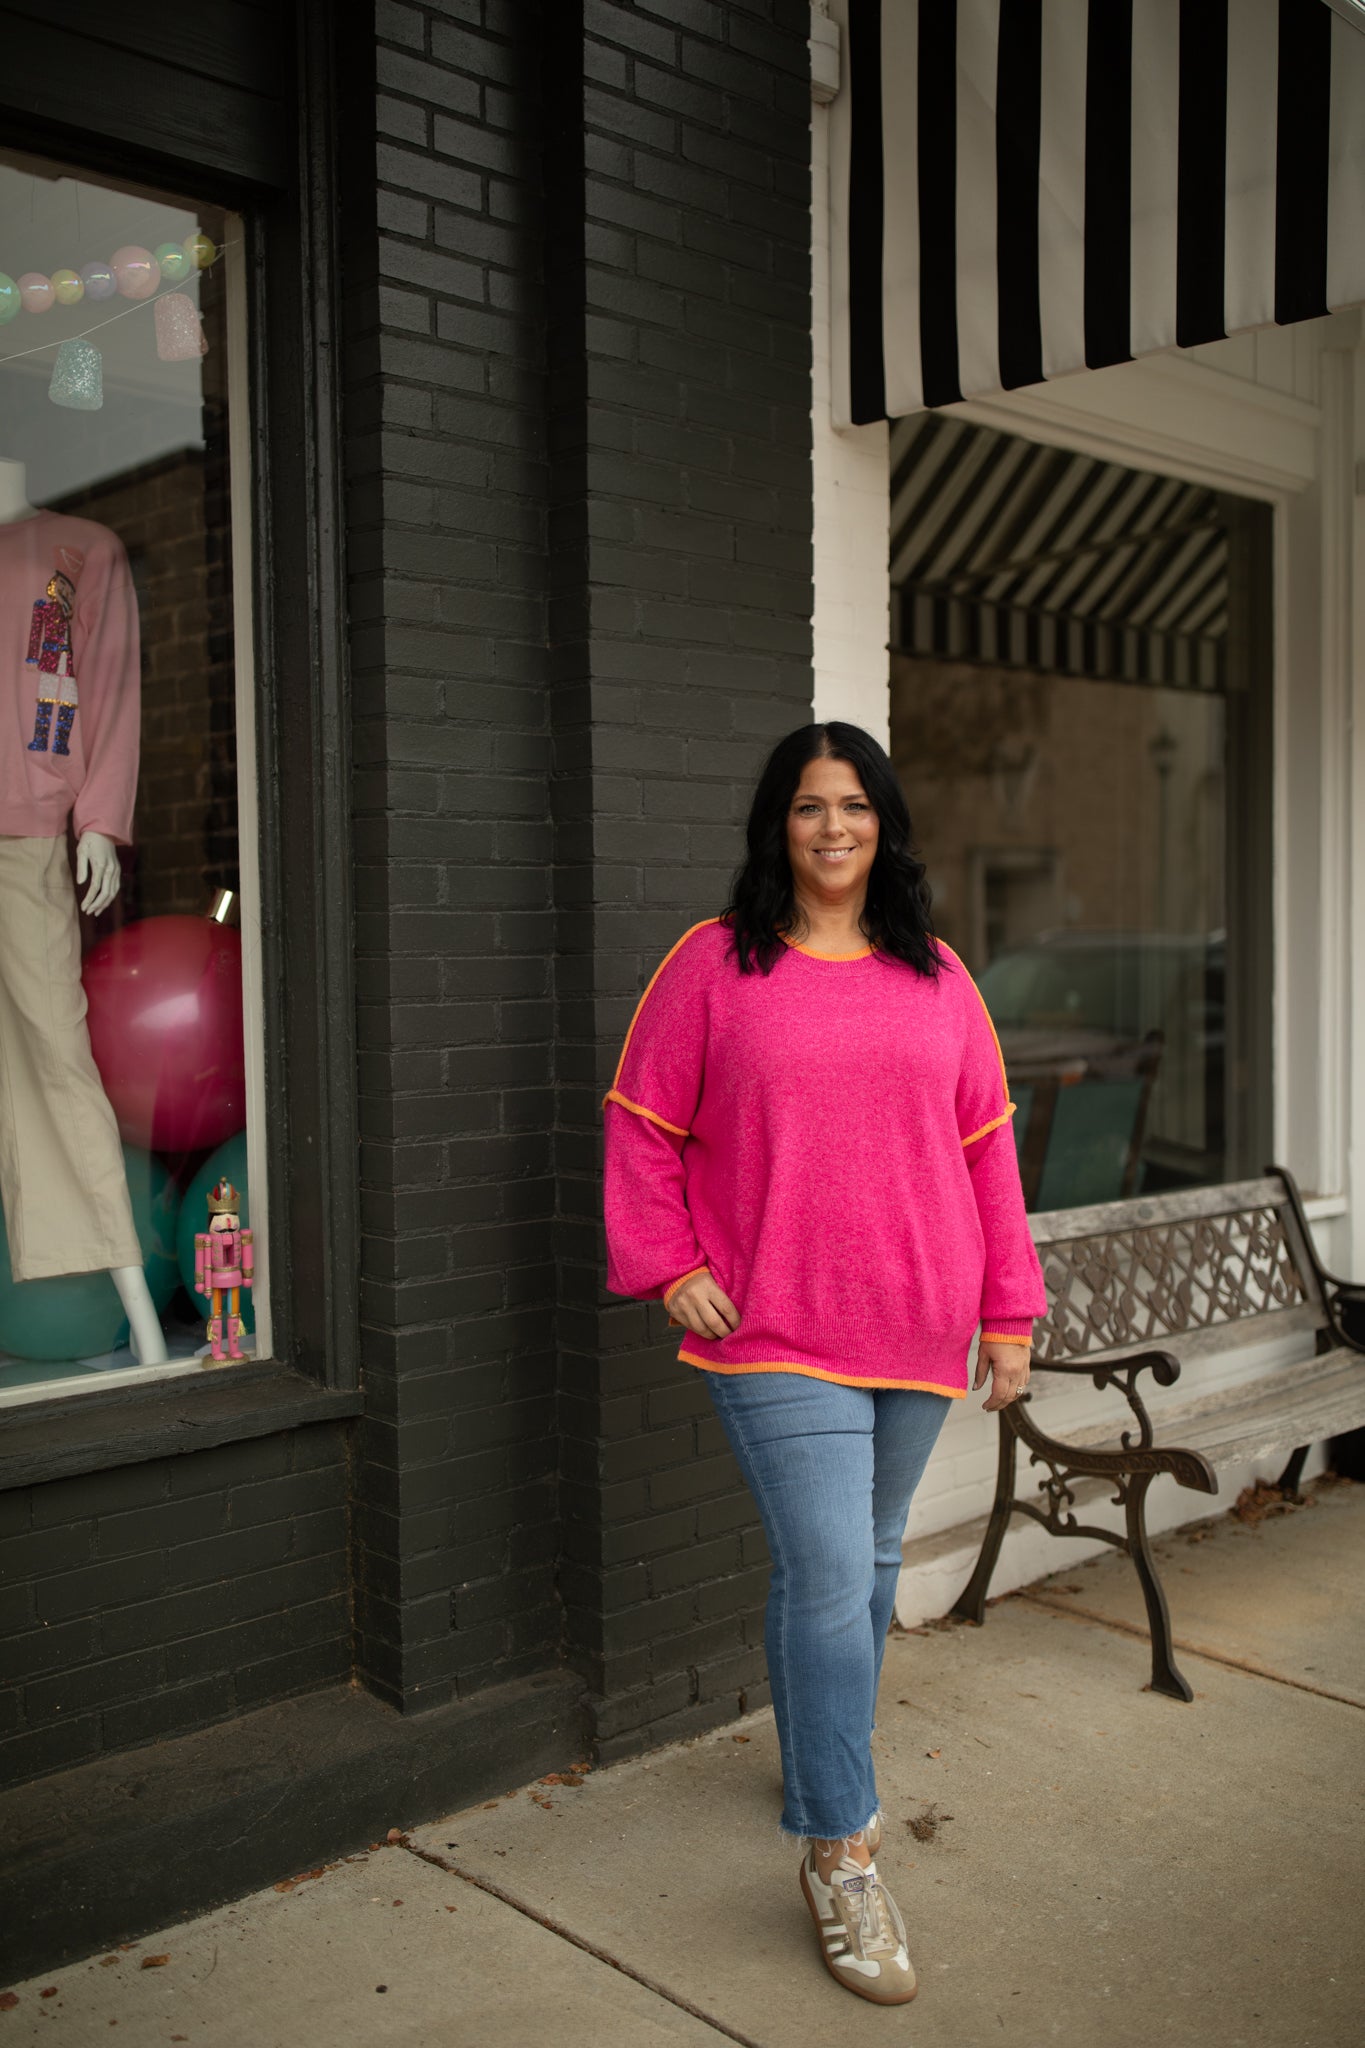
(158, 1597)
(681, 330)
(455, 940)
(579, 450)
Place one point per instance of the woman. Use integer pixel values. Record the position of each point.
(809, 1161)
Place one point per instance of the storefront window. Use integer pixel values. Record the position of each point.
(128, 1161)
(1062, 691)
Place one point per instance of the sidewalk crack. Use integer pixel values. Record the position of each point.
(1190, 1649)
(557, 1927)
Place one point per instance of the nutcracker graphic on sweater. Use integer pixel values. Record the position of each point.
(49, 651)
(224, 1263)
(68, 610)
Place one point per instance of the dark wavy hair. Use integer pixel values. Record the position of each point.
(762, 902)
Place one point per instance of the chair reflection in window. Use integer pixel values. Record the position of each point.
(1079, 1125)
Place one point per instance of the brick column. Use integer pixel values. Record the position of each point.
(680, 565)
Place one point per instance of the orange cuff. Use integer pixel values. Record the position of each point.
(669, 1292)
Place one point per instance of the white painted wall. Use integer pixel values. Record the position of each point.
(1278, 415)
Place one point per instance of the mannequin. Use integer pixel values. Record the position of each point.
(33, 810)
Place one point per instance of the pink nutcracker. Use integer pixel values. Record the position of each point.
(224, 1263)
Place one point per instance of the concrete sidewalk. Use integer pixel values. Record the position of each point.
(1078, 1860)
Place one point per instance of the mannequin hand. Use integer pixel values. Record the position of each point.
(1008, 1365)
(97, 862)
(703, 1307)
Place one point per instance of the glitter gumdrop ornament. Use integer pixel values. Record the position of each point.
(179, 330)
(78, 377)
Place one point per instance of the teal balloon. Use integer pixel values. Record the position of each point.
(10, 301)
(79, 1315)
(230, 1161)
(156, 1219)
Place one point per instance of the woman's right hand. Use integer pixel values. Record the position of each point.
(702, 1306)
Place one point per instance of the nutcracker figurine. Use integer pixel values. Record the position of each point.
(224, 1263)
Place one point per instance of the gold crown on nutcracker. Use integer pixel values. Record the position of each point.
(224, 1200)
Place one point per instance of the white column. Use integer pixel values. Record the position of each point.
(852, 519)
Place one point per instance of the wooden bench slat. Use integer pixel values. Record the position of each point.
(1107, 1219)
(1300, 1403)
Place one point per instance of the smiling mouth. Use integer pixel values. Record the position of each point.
(834, 852)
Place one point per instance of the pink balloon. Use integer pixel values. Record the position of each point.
(165, 1016)
(136, 271)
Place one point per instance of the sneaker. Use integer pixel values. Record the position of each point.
(862, 1935)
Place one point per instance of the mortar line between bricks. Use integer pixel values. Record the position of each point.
(1192, 1649)
(590, 1948)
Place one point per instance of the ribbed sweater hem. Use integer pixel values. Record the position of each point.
(819, 1372)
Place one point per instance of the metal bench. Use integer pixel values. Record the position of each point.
(1209, 1270)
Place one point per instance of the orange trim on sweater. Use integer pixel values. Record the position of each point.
(996, 1337)
(993, 1125)
(669, 1292)
(944, 947)
(701, 926)
(638, 1109)
(811, 953)
(815, 1372)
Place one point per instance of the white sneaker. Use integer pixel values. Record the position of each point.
(862, 1935)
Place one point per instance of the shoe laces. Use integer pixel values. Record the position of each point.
(873, 1916)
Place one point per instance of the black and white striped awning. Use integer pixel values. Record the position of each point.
(1022, 188)
(1014, 555)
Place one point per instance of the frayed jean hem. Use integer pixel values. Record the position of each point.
(804, 1834)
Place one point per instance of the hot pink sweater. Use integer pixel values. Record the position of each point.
(68, 635)
(833, 1141)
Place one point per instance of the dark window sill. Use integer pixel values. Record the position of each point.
(124, 1426)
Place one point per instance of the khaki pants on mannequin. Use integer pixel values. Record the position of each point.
(61, 1164)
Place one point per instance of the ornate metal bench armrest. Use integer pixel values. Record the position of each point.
(1122, 1373)
(1336, 1292)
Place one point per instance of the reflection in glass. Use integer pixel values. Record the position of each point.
(1059, 724)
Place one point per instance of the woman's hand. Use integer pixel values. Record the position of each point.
(702, 1306)
(1008, 1365)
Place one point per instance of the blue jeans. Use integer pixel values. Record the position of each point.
(832, 1470)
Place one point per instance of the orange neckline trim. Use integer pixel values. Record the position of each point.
(836, 959)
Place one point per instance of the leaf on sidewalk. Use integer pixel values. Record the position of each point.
(155, 1962)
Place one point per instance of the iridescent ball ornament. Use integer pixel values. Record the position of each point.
(68, 287)
(175, 262)
(10, 301)
(201, 249)
(99, 280)
(136, 271)
(78, 377)
(36, 292)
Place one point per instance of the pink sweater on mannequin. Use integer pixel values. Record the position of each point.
(89, 657)
(833, 1141)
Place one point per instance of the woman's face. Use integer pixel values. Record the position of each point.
(831, 831)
